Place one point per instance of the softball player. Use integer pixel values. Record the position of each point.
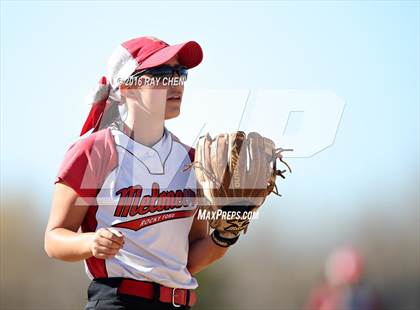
(122, 200)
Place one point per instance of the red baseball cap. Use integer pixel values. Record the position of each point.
(151, 52)
(146, 52)
(135, 54)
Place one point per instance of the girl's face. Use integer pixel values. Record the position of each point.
(161, 100)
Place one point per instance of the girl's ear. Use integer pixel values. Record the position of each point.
(124, 90)
(123, 87)
(128, 91)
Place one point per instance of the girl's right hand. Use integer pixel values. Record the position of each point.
(106, 242)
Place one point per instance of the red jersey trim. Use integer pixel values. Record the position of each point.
(85, 167)
(190, 150)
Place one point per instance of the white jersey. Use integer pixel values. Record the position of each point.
(144, 193)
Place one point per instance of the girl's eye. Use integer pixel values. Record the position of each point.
(160, 73)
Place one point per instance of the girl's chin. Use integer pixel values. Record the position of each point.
(172, 112)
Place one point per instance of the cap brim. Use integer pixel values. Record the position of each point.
(189, 54)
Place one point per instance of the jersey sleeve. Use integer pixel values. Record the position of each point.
(87, 163)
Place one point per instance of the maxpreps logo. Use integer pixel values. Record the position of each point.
(132, 203)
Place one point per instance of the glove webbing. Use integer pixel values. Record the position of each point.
(274, 157)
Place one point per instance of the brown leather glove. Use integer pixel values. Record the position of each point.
(235, 173)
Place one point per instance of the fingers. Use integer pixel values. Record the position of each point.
(206, 153)
(242, 163)
(237, 162)
(255, 149)
(219, 158)
(269, 150)
(112, 234)
(106, 251)
(103, 256)
(103, 252)
(260, 172)
(106, 243)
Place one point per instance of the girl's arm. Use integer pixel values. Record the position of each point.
(203, 251)
(62, 239)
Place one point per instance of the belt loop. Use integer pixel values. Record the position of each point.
(118, 281)
(156, 291)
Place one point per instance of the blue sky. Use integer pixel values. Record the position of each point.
(367, 53)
